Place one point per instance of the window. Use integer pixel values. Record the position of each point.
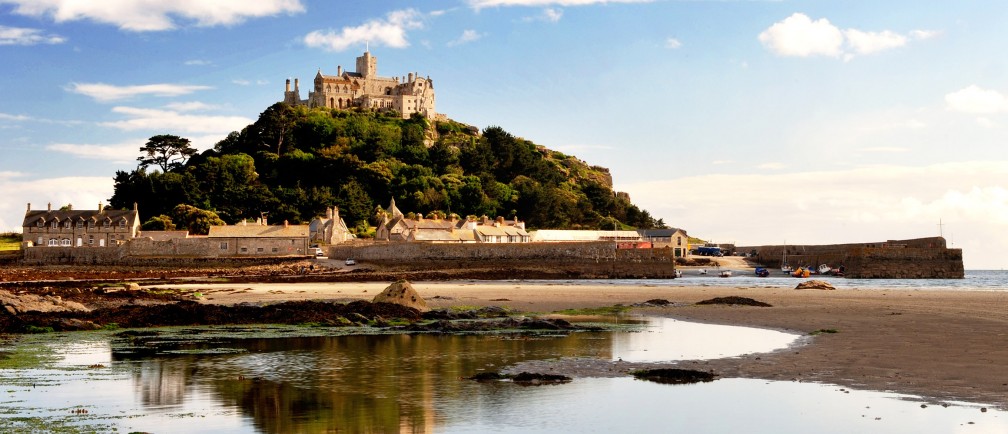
(259, 249)
(101, 242)
(53, 242)
(678, 241)
(244, 249)
(38, 242)
(41, 223)
(106, 224)
(90, 240)
(80, 241)
(65, 242)
(80, 224)
(55, 224)
(224, 245)
(122, 223)
(66, 224)
(275, 250)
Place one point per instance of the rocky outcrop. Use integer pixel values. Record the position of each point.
(815, 284)
(403, 294)
(16, 304)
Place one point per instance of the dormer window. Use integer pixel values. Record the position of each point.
(41, 223)
(55, 224)
(106, 224)
(122, 223)
(66, 224)
(80, 224)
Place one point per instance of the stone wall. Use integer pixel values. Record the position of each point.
(925, 258)
(597, 259)
(144, 251)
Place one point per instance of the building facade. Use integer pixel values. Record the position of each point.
(79, 228)
(258, 240)
(330, 229)
(364, 88)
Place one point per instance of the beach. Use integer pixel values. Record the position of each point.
(939, 344)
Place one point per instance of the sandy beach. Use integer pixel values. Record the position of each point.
(942, 345)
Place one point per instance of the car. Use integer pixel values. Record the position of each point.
(350, 262)
(318, 252)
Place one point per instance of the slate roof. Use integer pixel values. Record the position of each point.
(114, 215)
(258, 231)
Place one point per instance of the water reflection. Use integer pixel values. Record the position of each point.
(412, 383)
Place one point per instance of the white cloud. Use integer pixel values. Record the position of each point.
(842, 206)
(20, 189)
(198, 62)
(107, 92)
(390, 31)
(124, 152)
(800, 36)
(873, 42)
(672, 43)
(974, 99)
(155, 15)
(16, 118)
(480, 4)
(26, 36)
(552, 14)
(155, 120)
(467, 36)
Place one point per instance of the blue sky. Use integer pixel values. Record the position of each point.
(752, 122)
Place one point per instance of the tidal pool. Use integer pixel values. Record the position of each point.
(413, 383)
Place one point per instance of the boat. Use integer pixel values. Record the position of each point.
(801, 272)
(678, 274)
(824, 269)
(762, 272)
(785, 268)
(701, 271)
(725, 273)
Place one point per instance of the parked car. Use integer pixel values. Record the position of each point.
(350, 262)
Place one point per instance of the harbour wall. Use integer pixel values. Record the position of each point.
(921, 258)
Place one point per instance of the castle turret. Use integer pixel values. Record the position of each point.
(287, 88)
(367, 65)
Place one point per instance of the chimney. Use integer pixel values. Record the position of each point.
(50, 207)
(410, 77)
(329, 213)
(287, 89)
(101, 207)
(339, 70)
(244, 222)
(134, 206)
(285, 223)
(69, 207)
(296, 85)
(29, 208)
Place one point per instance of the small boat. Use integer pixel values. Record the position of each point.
(762, 272)
(701, 271)
(824, 269)
(725, 273)
(801, 272)
(785, 268)
(678, 274)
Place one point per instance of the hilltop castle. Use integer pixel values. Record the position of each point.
(364, 88)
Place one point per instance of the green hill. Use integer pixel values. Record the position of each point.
(293, 162)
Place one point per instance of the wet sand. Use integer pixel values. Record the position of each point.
(943, 345)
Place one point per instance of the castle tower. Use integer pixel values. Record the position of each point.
(367, 65)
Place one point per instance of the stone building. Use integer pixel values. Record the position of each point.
(364, 88)
(673, 238)
(258, 240)
(330, 229)
(103, 227)
(397, 227)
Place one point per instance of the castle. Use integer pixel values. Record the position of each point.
(365, 89)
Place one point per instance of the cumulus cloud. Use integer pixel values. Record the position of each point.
(467, 36)
(390, 31)
(859, 204)
(26, 36)
(672, 43)
(800, 36)
(550, 15)
(15, 118)
(107, 92)
(480, 4)
(155, 120)
(198, 62)
(976, 100)
(155, 15)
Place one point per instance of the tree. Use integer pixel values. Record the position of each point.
(166, 151)
(197, 221)
(158, 223)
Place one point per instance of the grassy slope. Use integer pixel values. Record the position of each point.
(10, 241)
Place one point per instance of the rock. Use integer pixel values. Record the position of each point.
(403, 294)
(815, 284)
(131, 286)
(20, 303)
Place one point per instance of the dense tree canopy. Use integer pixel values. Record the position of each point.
(293, 162)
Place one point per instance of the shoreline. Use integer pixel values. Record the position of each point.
(942, 345)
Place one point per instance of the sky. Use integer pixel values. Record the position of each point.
(748, 122)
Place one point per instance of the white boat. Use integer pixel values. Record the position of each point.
(785, 268)
(824, 269)
(701, 271)
(678, 274)
(725, 273)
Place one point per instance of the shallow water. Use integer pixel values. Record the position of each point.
(388, 383)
